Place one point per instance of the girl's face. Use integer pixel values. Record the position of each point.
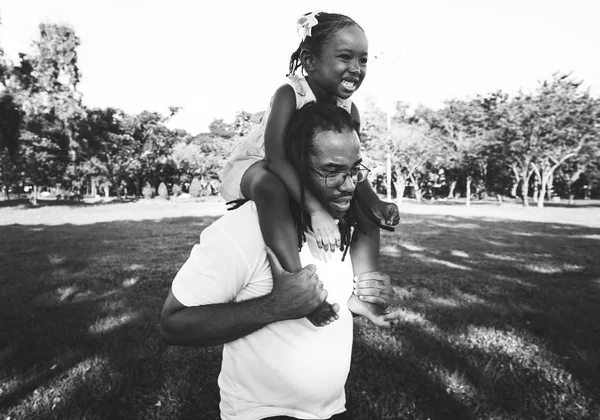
(342, 65)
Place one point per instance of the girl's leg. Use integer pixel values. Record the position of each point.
(277, 226)
(274, 216)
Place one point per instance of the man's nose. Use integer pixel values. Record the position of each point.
(348, 185)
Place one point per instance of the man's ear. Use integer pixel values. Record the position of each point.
(308, 60)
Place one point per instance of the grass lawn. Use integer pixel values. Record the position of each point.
(500, 316)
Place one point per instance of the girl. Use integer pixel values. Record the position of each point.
(333, 55)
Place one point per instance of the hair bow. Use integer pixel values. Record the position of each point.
(305, 24)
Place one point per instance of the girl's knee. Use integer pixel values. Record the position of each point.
(268, 185)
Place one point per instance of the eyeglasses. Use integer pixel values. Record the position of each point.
(335, 179)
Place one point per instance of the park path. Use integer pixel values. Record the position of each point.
(584, 215)
(158, 209)
(99, 213)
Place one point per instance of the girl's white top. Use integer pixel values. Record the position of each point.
(252, 147)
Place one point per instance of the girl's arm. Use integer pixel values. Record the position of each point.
(282, 108)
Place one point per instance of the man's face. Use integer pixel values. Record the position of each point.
(334, 152)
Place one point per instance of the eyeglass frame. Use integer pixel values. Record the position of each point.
(346, 173)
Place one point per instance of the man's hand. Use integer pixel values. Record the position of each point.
(294, 295)
(374, 287)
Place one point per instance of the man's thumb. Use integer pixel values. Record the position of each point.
(276, 267)
(309, 270)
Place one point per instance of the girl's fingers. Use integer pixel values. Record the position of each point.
(319, 240)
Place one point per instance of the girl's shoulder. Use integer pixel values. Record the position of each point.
(347, 104)
(299, 84)
(302, 90)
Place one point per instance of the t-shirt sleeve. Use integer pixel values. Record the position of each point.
(215, 271)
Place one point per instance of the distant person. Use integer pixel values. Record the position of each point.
(276, 364)
(333, 54)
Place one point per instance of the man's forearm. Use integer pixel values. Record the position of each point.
(211, 325)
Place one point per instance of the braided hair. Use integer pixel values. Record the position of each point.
(329, 24)
(308, 121)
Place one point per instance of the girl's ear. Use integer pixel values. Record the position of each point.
(308, 60)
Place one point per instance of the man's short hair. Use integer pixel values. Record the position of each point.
(309, 120)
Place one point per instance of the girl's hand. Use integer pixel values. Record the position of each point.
(326, 231)
(388, 213)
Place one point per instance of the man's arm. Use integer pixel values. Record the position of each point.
(211, 325)
(293, 296)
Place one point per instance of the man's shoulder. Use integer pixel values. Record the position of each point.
(240, 226)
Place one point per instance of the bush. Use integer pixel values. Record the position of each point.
(148, 191)
(176, 190)
(163, 191)
(195, 188)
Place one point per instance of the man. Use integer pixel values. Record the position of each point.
(277, 364)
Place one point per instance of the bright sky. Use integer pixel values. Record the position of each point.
(215, 58)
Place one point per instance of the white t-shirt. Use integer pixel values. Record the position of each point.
(288, 368)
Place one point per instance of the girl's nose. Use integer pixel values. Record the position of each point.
(355, 67)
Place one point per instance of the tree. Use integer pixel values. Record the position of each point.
(462, 129)
(568, 117)
(10, 124)
(540, 131)
(44, 85)
(240, 126)
(157, 141)
(413, 148)
(572, 169)
(119, 146)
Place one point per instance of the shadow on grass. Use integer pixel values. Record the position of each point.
(79, 309)
(504, 312)
(499, 319)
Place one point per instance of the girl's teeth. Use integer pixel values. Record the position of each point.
(348, 84)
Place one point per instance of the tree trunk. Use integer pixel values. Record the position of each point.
(118, 183)
(547, 176)
(389, 176)
(540, 202)
(513, 190)
(515, 186)
(452, 187)
(536, 183)
(34, 195)
(570, 180)
(400, 187)
(525, 190)
(468, 187)
(550, 187)
(417, 188)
